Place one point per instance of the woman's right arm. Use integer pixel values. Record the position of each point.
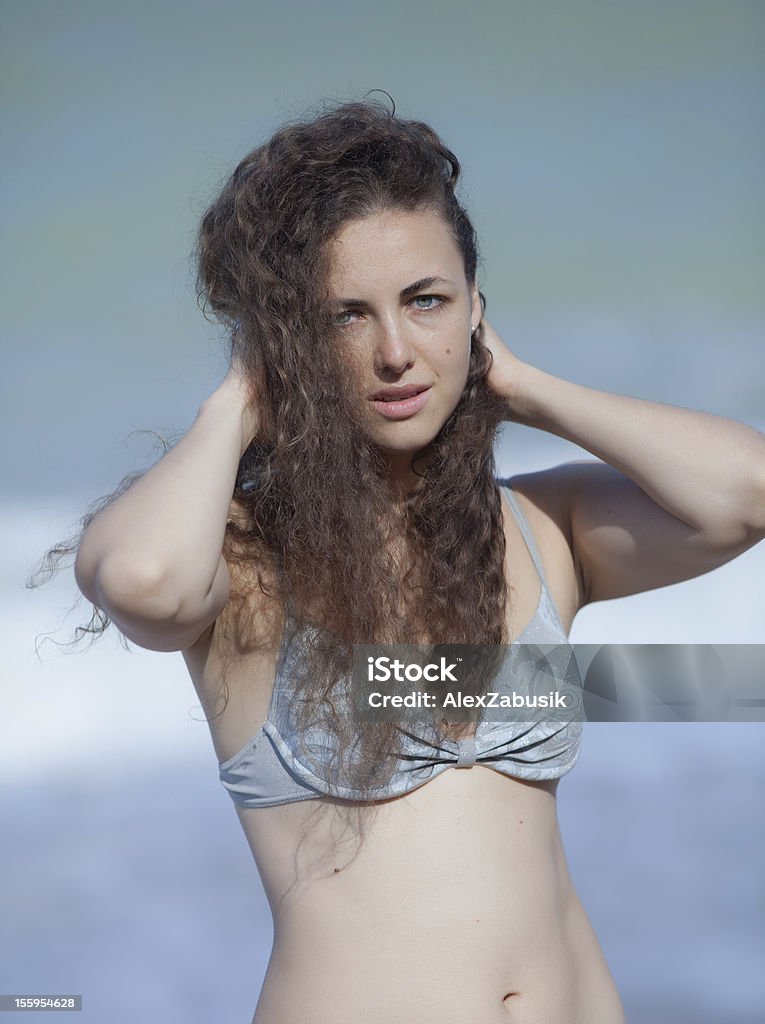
(152, 558)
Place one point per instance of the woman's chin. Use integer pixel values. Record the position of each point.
(403, 450)
(407, 436)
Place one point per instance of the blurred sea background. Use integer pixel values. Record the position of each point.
(613, 160)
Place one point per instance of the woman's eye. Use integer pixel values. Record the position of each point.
(436, 299)
(432, 302)
(339, 317)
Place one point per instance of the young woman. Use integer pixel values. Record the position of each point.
(338, 487)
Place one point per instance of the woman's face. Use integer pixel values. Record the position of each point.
(404, 313)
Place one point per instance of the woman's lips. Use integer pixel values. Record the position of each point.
(402, 408)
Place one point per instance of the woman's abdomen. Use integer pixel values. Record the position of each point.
(458, 907)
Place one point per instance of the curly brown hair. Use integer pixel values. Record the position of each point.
(312, 517)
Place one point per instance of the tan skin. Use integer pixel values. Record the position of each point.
(460, 907)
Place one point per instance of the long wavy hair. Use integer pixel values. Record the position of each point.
(312, 518)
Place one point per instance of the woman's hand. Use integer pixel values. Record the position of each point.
(237, 388)
(505, 375)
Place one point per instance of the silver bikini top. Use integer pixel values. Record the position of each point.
(272, 767)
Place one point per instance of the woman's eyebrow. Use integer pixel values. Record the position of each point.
(411, 289)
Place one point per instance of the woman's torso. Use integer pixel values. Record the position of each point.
(459, 905)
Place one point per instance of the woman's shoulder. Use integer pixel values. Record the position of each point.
(544, 500)
(542, 494)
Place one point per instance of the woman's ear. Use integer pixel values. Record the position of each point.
(476, 310)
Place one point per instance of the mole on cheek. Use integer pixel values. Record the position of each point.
(448, 351)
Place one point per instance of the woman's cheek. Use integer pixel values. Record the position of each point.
(457, 363)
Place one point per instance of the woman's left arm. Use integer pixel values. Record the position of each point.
(682, 492)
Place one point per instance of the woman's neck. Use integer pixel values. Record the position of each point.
(402, 478)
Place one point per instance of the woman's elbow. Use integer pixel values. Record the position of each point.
(130, 589)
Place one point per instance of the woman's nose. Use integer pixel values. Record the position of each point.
(393, 350)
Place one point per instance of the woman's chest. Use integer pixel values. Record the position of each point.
(234, 675)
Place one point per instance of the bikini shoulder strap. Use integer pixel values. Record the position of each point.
(525, 529)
